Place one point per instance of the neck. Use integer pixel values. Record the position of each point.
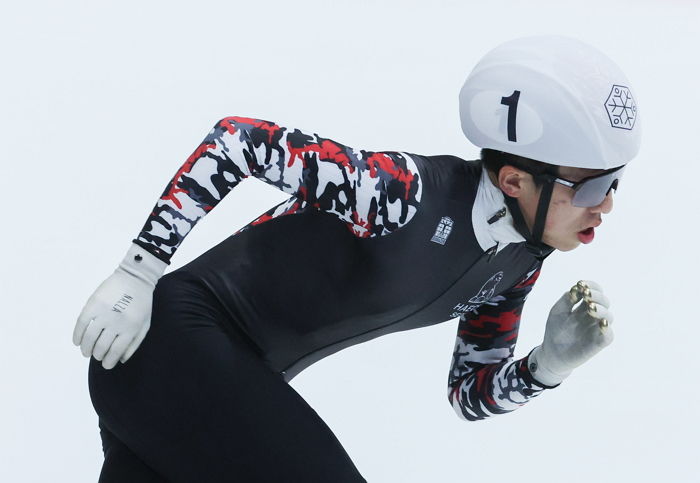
(492, 177)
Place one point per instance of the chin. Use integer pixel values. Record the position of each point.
(564, 246)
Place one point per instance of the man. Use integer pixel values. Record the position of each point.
(369, 243)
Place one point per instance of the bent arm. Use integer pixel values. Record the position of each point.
(484, 379)
(373, 193)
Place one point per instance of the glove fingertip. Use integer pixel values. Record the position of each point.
(127, 354)
(593, 284)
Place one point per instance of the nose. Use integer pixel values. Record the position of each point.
(606, 205)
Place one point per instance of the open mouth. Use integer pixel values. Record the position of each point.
(587, 235)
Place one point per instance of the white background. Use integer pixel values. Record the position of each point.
(101, 102)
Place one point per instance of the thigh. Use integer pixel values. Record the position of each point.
(197, 404)
(121, 464)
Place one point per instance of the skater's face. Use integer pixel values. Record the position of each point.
(564, 222)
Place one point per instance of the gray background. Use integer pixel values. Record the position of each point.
(101, 102)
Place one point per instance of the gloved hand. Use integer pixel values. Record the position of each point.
(572, 336)
(117, 316)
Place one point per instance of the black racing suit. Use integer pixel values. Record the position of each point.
(369, 243)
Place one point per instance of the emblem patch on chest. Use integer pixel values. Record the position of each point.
(487, 291)
(443, 230)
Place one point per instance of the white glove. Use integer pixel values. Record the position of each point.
(572, 337)
(117, 316)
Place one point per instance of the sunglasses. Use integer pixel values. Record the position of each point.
(591, 191)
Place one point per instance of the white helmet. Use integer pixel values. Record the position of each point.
(553, 99)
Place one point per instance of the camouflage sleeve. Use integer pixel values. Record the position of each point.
(372, 193)
(484, 379)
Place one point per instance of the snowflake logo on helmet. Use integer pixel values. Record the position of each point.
(622, 110)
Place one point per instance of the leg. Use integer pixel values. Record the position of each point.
(122, 465)
(197, 404)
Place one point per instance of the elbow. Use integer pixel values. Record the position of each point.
(464, 413)
(452, 398)
(460, 415)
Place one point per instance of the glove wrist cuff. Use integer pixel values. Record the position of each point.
(143, 265)
(541, 372)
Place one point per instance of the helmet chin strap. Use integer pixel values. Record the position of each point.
(533, 241)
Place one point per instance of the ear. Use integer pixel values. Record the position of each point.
(513, 181)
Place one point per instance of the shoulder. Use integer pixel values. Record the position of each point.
(451, 176)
